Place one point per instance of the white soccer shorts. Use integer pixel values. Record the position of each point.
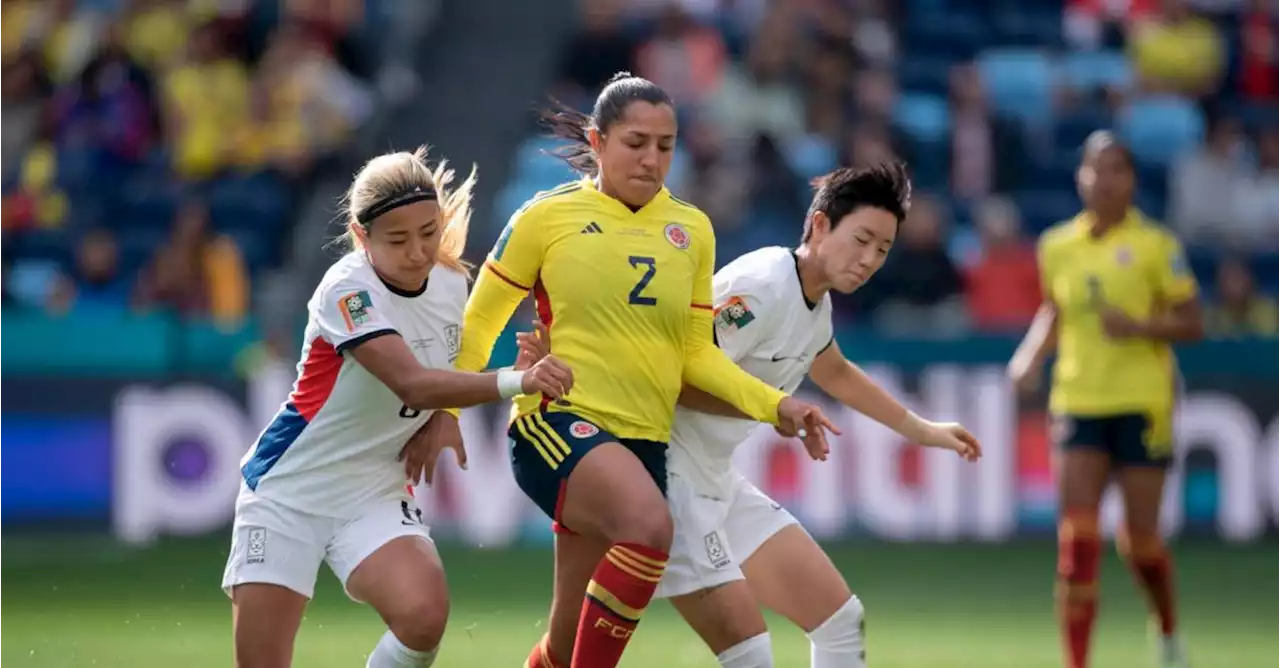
(713, 536)
(275, 544)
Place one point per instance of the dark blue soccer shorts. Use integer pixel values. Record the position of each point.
(546, 446)
(1130, 439)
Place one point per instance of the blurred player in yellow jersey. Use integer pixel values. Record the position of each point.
(1118, 293)
(621, 271)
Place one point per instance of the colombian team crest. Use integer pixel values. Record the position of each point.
(355, 307)
(677, 235)
(1124, 256)
(582, 429)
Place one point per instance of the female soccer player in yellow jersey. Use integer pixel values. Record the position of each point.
(1117, 294)
(621, 271)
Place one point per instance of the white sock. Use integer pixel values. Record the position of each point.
(838, 642)
(754, 652)
(391, 653)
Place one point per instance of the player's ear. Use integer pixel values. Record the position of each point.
(819, 226)
(596, 139)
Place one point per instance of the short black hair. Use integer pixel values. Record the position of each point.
(567, 123)
(885, 186)
(1099, 141)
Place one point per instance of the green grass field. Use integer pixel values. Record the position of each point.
(75, 601)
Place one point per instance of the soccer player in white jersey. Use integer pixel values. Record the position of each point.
(735, 550)
(323, 482)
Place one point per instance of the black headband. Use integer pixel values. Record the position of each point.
(394, 201)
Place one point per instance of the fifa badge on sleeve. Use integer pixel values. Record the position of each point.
(355, 309)
(734, 314)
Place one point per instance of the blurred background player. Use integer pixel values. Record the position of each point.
(1118, 293)
(621, 271)
(735, 549)
(322, 482)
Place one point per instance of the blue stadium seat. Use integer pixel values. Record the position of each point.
(922, 116)
(924, 74)
(953, 35)
(810, 157)
(1084, 70)
(1018, 83)
(32, 281)
(1160, 129)
(1042, 209)
(1072, 128)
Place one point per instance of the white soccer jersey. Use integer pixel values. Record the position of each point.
(332, 448)
(764, 323)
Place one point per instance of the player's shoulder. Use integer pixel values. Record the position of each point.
(1059, 234)
(761, 274)
(351, 270)
(1152, 234)
(453, 283)
(686, 213)
(547, 203)
(351, 274)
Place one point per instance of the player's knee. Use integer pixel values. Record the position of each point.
(1139, 544)
(1078, 544)
(650, 525)
(842, 632)
(419, 620)
(754, 652)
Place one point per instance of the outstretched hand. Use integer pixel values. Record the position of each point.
(807, 422)
(423, 449)
(953, 436)
(532, 346)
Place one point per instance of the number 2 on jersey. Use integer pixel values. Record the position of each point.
(651, 268)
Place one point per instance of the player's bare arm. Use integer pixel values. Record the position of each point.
(848, 383)
(1028, 360)
(1182, 323)
(389, 359)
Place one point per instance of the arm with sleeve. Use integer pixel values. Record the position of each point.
(710, 369)
(505, 279)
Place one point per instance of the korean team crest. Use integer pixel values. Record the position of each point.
(677, 235)
(734, 314)
(451, 338)
(716, 554)
(581, 429)
(354, 308)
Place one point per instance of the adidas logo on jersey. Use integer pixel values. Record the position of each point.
(593, 228)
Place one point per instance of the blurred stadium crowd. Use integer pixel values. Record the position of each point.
(152, 149)
(989, 101)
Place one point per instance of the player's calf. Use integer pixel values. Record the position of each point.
(1079, 553)
(1152, 569)
(839, 641)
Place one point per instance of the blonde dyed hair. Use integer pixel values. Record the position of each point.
(401, 172)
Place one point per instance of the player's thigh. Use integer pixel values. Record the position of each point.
(1082, 460)
(723, 615)
(386, 558)
(270, 575)
(701, 557)
(612, 494)
(1144, 443)
(792, 575)
(265, 620)
(587, 480)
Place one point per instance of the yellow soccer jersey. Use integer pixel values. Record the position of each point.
(1137, 267)
(627, 298)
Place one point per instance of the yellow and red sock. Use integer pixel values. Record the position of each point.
(617, 595)
(541, 656)
(1152, 569)
(1079, 552)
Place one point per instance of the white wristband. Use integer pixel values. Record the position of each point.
(510, 383)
